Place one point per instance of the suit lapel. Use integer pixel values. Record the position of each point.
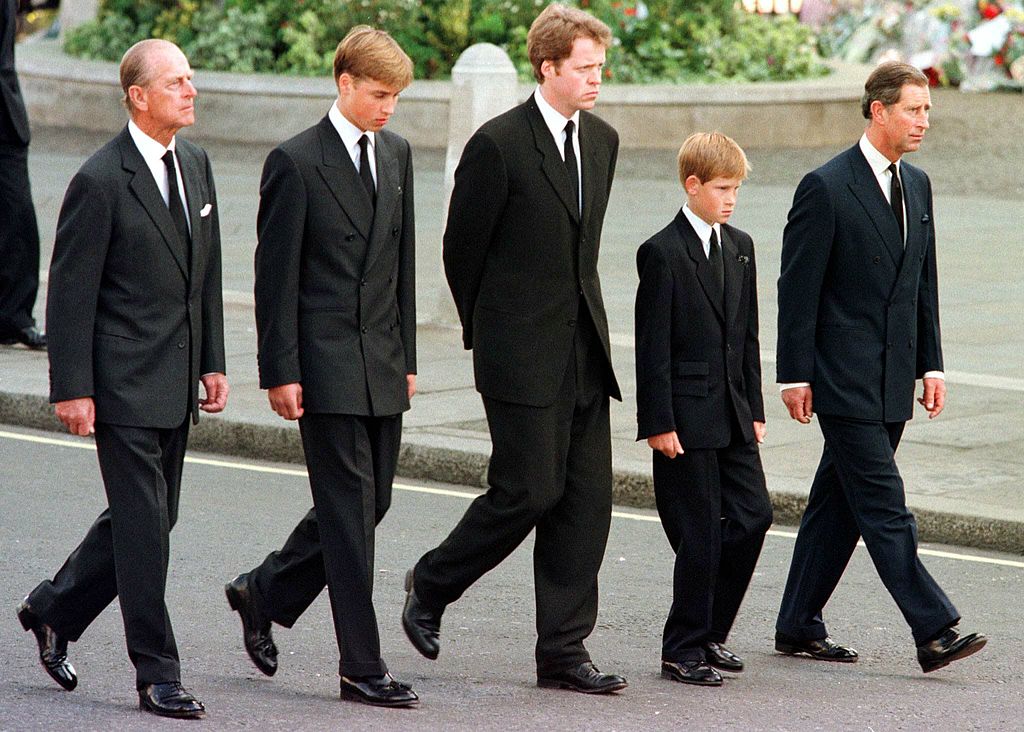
(734, 278)
(145, 190)
(700, 261)
(913, 199)
(195, 198)
(552, 166)
(867, 191)
(341, 178)
(589, 167)
(389, 193)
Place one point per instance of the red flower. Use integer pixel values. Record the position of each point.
(999, 59)
(933, 76)
(631, 12)
(990, 11)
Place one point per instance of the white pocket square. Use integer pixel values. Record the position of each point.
(206, 210)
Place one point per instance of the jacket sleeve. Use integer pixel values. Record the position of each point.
(929, 341)
(653, 333)
(211, 359)
(806, 247)
(407, 268)
(280, 226)
(76, 270)
(477, 203)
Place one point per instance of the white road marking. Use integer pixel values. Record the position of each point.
(87, 444)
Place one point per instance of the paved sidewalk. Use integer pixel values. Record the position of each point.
(963, 471)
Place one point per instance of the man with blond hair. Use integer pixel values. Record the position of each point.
(336, 325)
(520, 254)
(135, 323)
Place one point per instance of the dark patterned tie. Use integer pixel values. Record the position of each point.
(715, 264)
(364, 170)
(570, 163)
(174, 201)
(896, 199)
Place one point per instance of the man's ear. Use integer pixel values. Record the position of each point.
(138, 97)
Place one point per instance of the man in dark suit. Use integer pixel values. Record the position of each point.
(19, 235)
(858, 324)
(336, 320)
(136, 323)
(699, 406)
(520, 254)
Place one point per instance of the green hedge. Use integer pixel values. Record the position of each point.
(656, 41)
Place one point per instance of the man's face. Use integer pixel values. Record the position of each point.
(168, 99)
(366, 103)
(574, 82)
(715, 200)
(903, 124)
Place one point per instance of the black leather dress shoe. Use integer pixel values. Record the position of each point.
(259, 642)
(422, 625)
(585, 679)
(53, 650)
(948, 647)
(721, 658)
(30, 336)
(824, 649)
(691, 672)
(170, 699)
(378, 691)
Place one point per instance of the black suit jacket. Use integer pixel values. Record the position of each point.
(13, 118)
(696, 364)
(129, 322)
(518, 257)
(858, 314)
(335, 279)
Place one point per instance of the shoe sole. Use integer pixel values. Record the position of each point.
(354, 697)
(235, 604)
(789, 650)
(171, 715)
(692, 682)
(966, 651)
(553, 684)
(429, 653)
(23, 609)
(725, 669)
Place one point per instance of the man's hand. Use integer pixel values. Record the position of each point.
(760, 432)
(78, 415)
(934, 398)
(667, 443)
(410, 382)
(216, 386)
(799, 402)
(286, 400)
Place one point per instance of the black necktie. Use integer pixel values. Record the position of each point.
(174, 200)
(570, 163)
(364, 169)
(896, 199)
(715, 263)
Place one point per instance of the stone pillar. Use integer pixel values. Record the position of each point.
(484, 85)
(76, 12)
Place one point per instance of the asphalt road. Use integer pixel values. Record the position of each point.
(233, 512)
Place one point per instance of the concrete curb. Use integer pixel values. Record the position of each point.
(469, 468)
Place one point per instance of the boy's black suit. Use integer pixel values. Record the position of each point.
(699, 374)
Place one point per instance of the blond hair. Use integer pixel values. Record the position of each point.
(368, 53)
(553, 32)
(710, 155)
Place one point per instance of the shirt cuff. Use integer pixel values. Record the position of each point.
(934, 375)
(794, 385)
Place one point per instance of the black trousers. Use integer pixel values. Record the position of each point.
(351, 462)
(550, 470)
(715, 510)
(125, 552)
(19, 241)
(858, 492)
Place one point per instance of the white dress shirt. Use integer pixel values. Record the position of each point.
(350, 135)
(703, 229)
(556, 125)
(153, 153)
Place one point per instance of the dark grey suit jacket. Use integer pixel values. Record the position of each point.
(335, 279)
(858, 314)
(518, 257)
(696, 364)
(14, 128)
(129, 322)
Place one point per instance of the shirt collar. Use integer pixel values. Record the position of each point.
(151, 150)
(553, 118)
(878, 162)
(349, 133)
(702, 227)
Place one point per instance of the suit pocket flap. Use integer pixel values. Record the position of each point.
(691, 368)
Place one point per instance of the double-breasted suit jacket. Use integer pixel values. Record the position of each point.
(519, 256)
(14, 129)
(134, 317)
(858, 311)
(335, 292)
(698, 366)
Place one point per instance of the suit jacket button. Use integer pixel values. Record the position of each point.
(350, 237)
(571, 322)
(365, 329)
(876, 260)
(362, 283)
(394, 231)
(181, 344)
